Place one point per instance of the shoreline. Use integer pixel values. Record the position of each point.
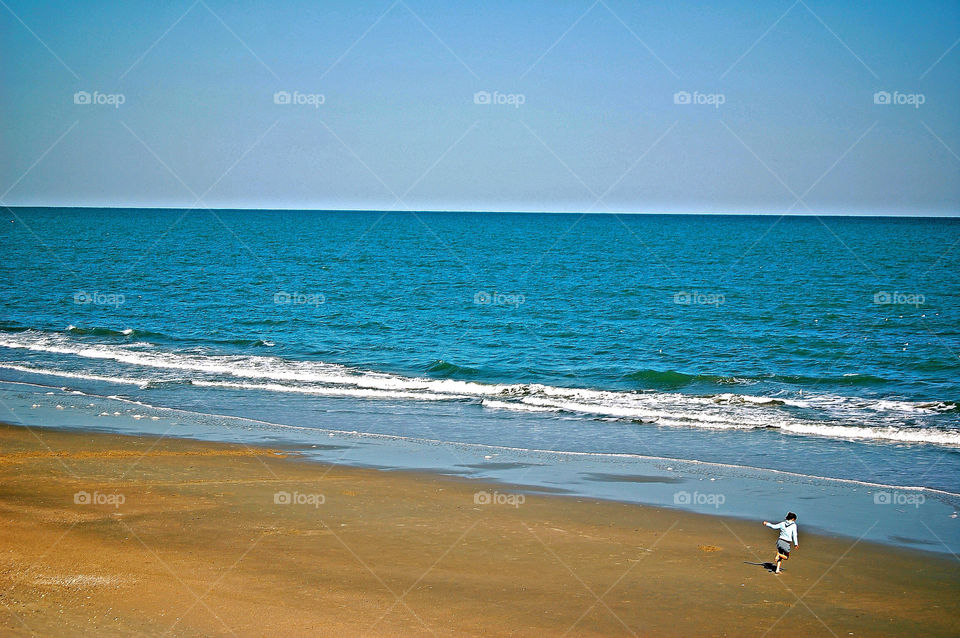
(572, 453)
(299, 453)
(836, 505)
(405, 553)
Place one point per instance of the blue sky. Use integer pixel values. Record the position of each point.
(590, 119)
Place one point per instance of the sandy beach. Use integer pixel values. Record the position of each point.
(113, 535)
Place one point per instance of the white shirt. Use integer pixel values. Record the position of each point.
(788, 531)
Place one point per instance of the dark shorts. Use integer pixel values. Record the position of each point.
(783, 548)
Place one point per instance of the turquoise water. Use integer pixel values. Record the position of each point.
(827, 348)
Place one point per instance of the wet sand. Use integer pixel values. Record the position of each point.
(114, 535)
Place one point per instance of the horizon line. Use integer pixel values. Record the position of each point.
(498, 212)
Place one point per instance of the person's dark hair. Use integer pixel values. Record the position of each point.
(791, 516)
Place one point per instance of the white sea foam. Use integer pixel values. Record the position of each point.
(864, 418)
(517, 407)
(71, 375)
(249, 366)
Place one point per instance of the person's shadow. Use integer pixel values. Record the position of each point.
(768, 566)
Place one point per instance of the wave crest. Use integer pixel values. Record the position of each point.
(823, 414)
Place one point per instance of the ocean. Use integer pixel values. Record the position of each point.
(795, 362)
